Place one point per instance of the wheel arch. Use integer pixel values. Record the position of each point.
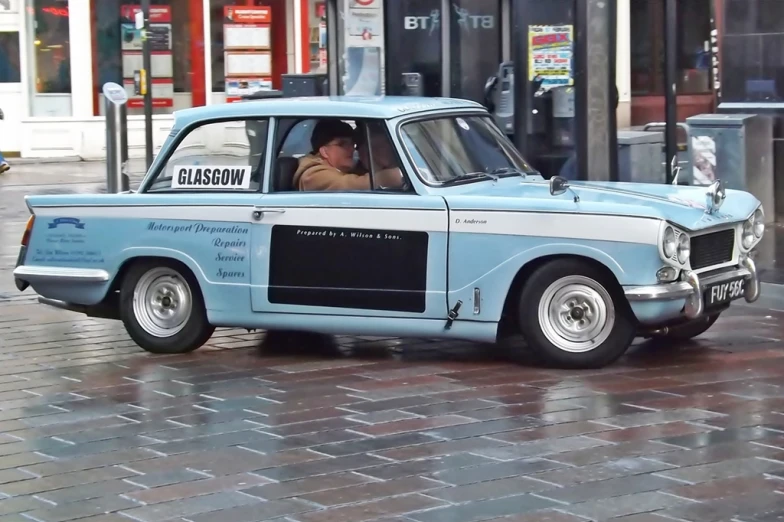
(111, 300)
(175, 257)
(527, 269)
(193, 327)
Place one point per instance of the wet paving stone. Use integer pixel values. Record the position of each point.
(92, 429)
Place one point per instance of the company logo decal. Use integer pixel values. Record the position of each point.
(66, 221)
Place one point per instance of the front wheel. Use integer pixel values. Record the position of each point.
(162, 308)
(574, 316)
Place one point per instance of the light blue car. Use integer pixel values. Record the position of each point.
(472, 244)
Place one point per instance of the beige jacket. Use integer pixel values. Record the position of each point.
(313, 173)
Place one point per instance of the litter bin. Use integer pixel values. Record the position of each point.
(262, 95)
(738, 150)
(684, 151)
(639, 157)
(306, 84)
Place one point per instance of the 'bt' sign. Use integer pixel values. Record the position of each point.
(464, 19)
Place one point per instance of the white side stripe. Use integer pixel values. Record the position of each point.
(588, 227)
(532, 224)
(409, 220)
(378, 219)
(190, 213)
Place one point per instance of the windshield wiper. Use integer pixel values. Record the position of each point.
(469, 177)
(500, 171)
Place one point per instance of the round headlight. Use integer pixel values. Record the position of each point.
(748, 234)
(684, 249)
(669, 244)
(759, 223)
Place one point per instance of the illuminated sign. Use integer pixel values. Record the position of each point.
(56, 11)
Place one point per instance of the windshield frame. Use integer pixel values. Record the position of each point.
(457, 182)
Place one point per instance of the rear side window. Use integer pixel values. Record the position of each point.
(216, 157)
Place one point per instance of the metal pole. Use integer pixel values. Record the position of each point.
(125, 180)
(113, 156)
(581, 100)
(446, 48)
(115, 104)
(521, 85)
(612, 91)
(670, 85)
(333, 75)
(147, 65)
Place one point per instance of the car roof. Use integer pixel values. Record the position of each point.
(347, 107)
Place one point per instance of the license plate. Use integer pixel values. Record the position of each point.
(721, 293)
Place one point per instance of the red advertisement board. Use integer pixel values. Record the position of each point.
(247, 44)
(159, 14)
(247, 15)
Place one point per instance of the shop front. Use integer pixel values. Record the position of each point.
(455, 62)
(203, 52)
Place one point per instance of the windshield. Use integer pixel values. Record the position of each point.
(461, 148)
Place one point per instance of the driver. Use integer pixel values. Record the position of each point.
(330, 165)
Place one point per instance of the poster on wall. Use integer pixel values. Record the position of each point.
(364, 48)
(703, 159)
(550, 54)
(162, 64)
(247, 50)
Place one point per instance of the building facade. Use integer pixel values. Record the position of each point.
(695, 85)
(55, 55)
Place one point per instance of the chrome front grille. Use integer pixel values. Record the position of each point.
(712, 249)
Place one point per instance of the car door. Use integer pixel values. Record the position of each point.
(362, 253)
(201, 202)
(370, 254)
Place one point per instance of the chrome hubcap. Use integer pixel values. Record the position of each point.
(162, 302)
(576, 314)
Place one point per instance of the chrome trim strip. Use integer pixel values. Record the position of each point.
(663, 292)
(59, 273)
(752, 290)
(683, 289)
(718, 278)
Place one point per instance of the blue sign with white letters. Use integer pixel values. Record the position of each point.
(67, 221)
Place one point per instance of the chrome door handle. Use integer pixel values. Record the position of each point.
(258, 212)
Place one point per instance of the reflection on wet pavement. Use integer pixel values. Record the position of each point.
(299, 428)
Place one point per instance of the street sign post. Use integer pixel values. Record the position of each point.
(116, 105)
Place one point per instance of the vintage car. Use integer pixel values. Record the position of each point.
(469, 242)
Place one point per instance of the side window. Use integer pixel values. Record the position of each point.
(216, 157)
(292, 142)
(375, 147)
(294, 136)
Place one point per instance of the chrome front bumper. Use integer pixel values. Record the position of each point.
(692, 287)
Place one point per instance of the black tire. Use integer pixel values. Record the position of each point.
(690, 330)
(612, 340)
(193, 328)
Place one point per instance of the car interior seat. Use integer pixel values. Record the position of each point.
(285, 168)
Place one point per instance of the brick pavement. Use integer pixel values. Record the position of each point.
(363, 429)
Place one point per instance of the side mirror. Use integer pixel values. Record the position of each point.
(558, 185)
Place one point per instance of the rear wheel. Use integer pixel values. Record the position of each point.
(162, 308)
(573, 316)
